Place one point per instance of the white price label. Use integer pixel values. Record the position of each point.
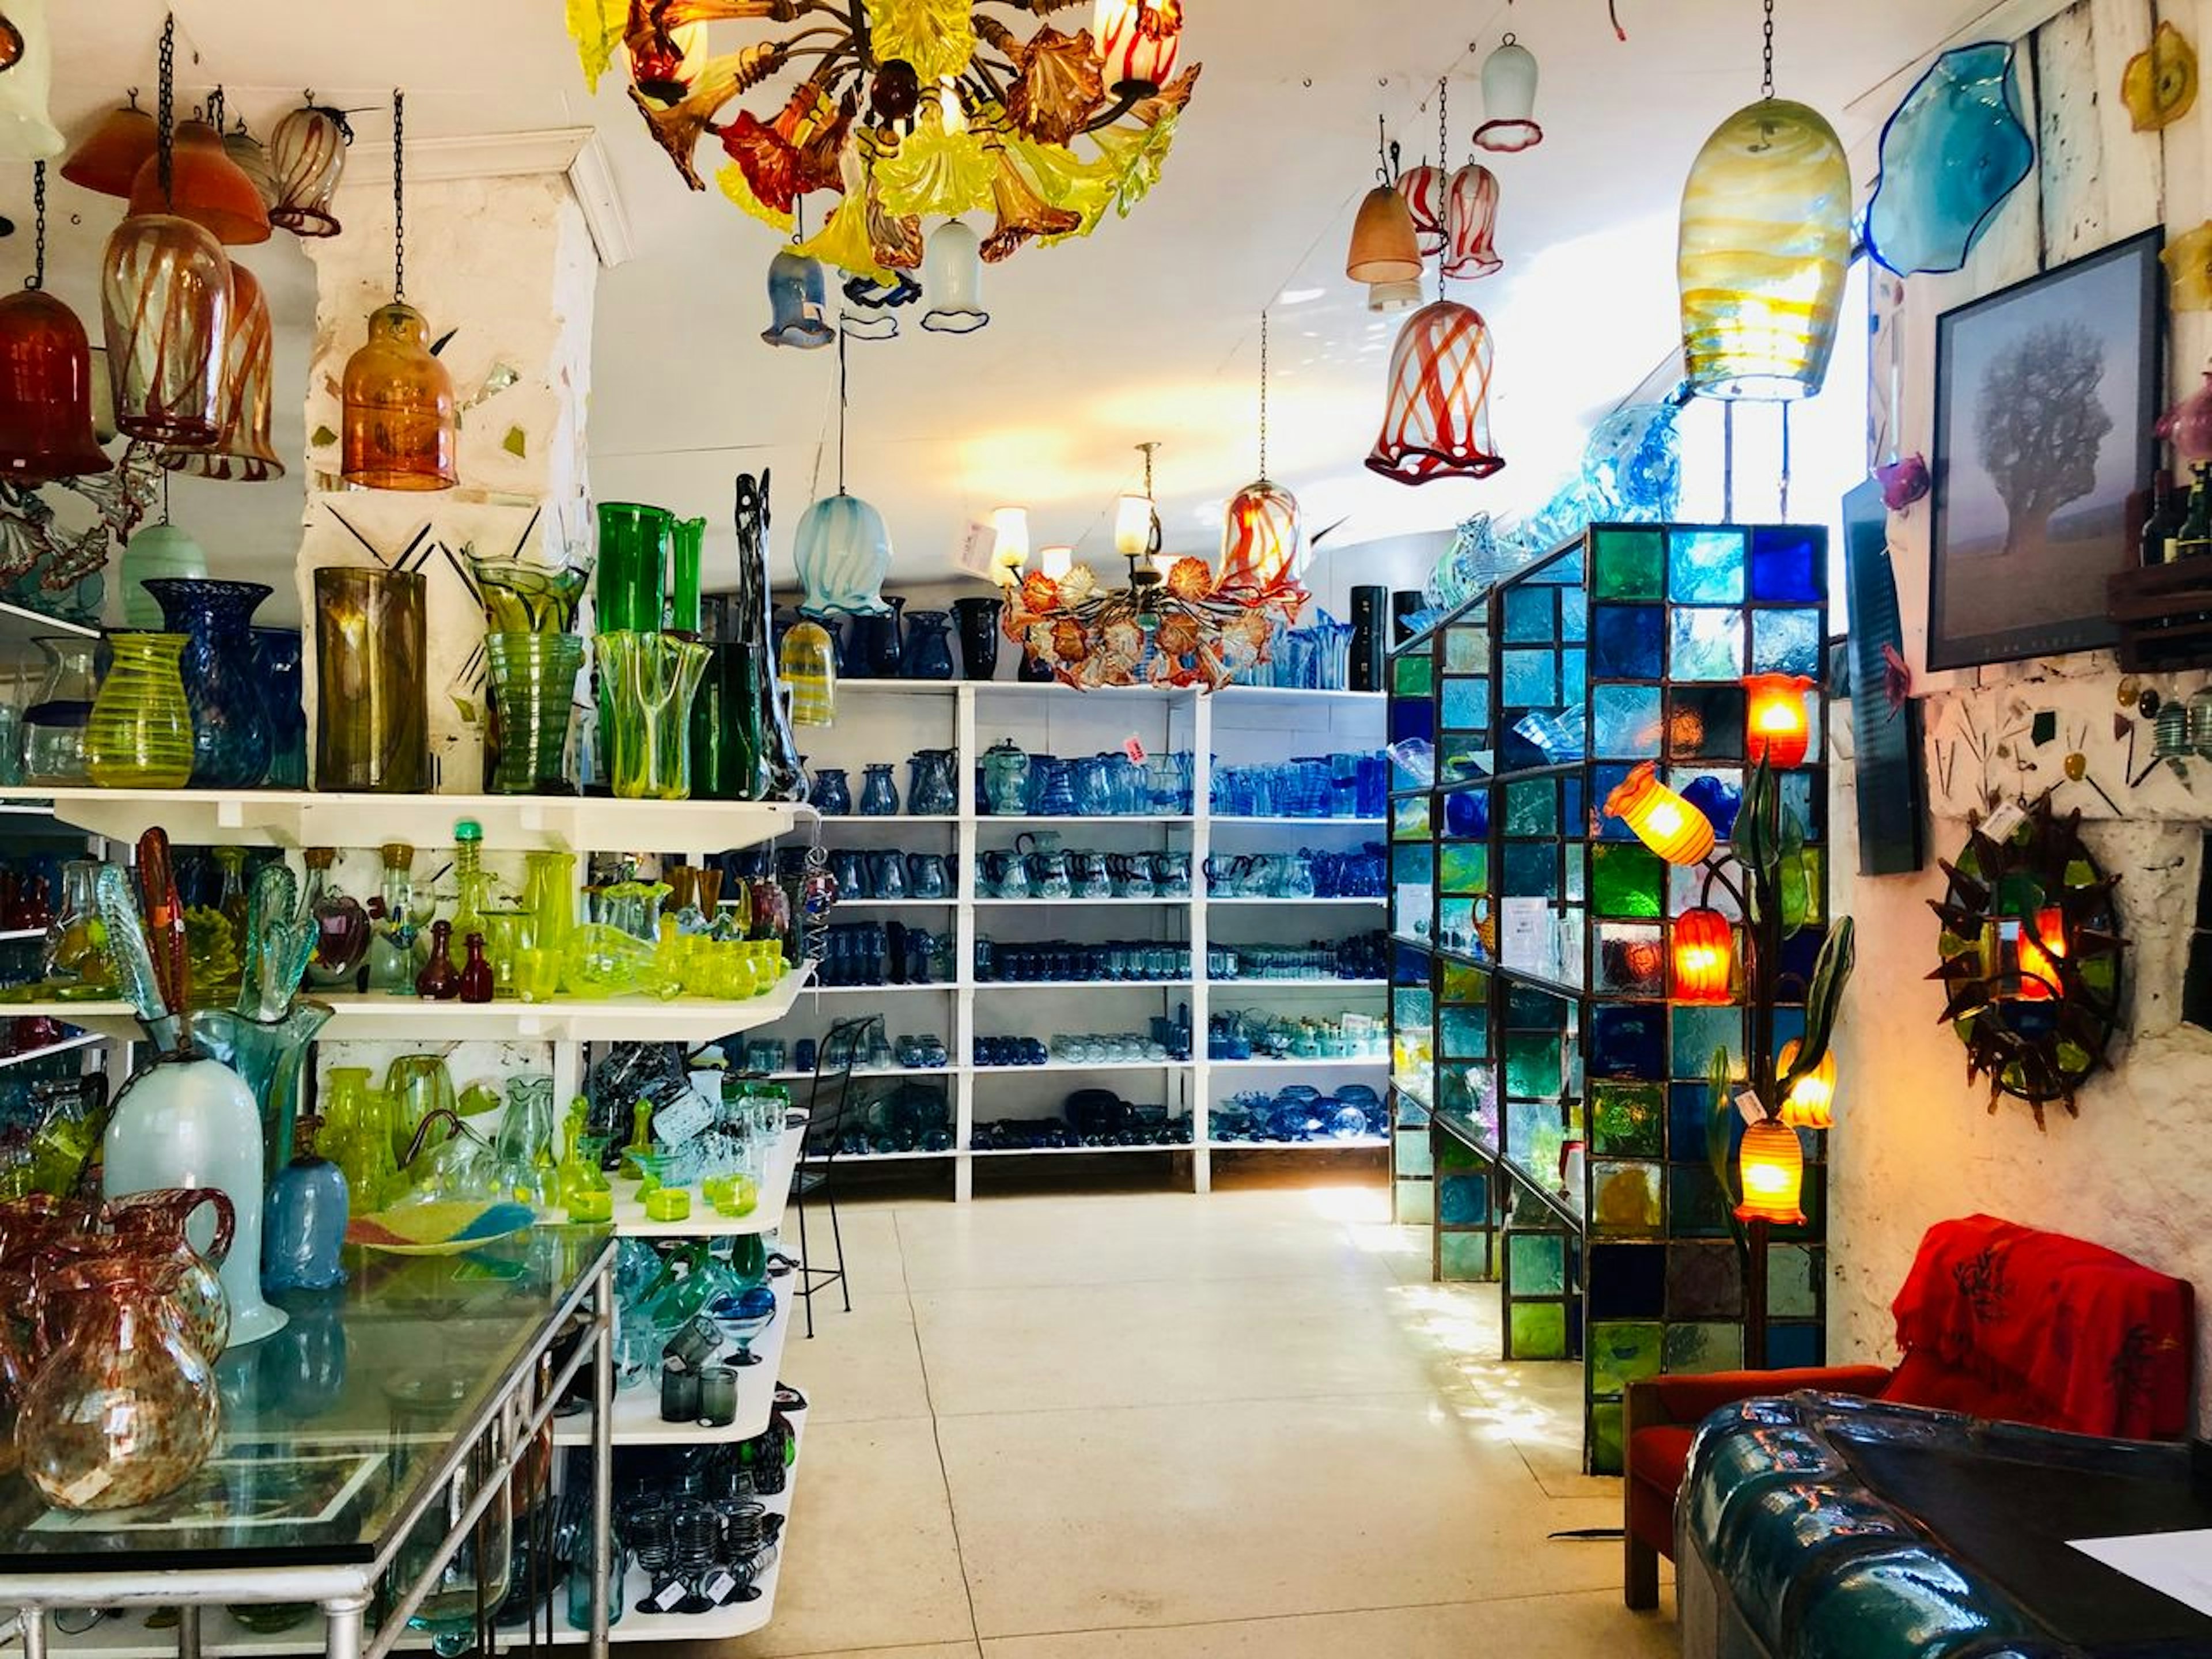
(668, 1597)
(1750, 1106)
(2000, 824)
(717, 1589)
(674, 1124)
(978, 553)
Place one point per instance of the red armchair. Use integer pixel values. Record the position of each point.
(1995, 1319)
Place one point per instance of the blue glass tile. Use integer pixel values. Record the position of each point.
(1527, 1009)
(1574, 678)
(1797, 799)
(1628, 642)
(1789, 565)
(1685, 1122)
(1412, 719)
(1571, 806)
(1567, 572)
(1414, 1157)
(1532, 808)
(1458, 924)
(1413, 861)
(1603, 780)
(1624, 722)
(1708, 645)
(1467, 705)
(1717, 792)
(1466, 650)
(1786, 642)
(1462, 1200)
(1629, 1040)
(1410, 1008)
(1705, 567)
(1706, 722)
(1465, 1033)
(1467, 814)
(1531, 616)
(1789, 1025)
(1687, 890)
(1792, 1346)
(1574, 616)
(1409, 966)
(1801, 953)
(1698, 1032)
(1532, 679)
(1532, 869)
(1626, 1281)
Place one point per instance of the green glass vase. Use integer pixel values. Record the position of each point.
(647, 681)
(533, 687)
(140, 733)
(726, 762)
(633, 564)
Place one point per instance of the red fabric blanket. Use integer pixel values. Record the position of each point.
(2054, 1331)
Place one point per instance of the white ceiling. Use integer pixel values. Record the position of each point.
(1148, 329)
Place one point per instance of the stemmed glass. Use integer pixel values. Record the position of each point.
(741, 1319)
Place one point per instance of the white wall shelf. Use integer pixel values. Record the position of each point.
(765, 1217)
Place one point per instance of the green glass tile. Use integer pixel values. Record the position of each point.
(1622, 1352)
(1629, 564)
(1532, 1068)
(1696, 1207)
(1532, 807)
(1417, 1204)
(1625, 1199)
(1463, 1258)
(1537, 1262)
(1411, 1156)
(1409, 819)
(1694, 1349)
(1466, 650)
(1465, 868)
(1627, 880)
(1413, 676)
(1465, 985)
(1534, 1134)
(1793, 1292)
(1628, 1120)
(1537, 1330)
(1605, 1442)
(1465, 1033)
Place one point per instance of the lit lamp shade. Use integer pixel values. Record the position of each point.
(1661, 819)
(1772, 1165)
(843, 550)
(1136, 528)
(799, 302)
(401, 428)
(1777, 728)
(1508, 99)
(2042, 947)
(242, 451)
(1704, 959)
(953, 280)
(1386, 297)
(1056, 561)
(1471, 221)
(808, 663)
(165, 311)
(1009, 551)
(1136, 42)
(1261, 539)
(109, 158)
(306, 155)
(1766, 244)
(1424, 188)
(27, 132)
(1437, 423)
(205, 187)
(1810, 1104)
(46, 391)
(1384, 245)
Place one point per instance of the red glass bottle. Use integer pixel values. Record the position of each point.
(439, 980)
(475, 973)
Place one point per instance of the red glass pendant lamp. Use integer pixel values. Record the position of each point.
(1437, 422)
(45, 378)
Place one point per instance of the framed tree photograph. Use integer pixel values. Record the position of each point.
(2046, 399)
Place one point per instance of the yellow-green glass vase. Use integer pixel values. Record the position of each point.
(139, 734)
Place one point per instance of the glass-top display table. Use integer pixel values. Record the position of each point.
(342, 1438)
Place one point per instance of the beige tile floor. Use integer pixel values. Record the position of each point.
(1114, 1425)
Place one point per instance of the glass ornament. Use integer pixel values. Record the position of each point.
(2158, 85)
(139, 732)
(46, 391)
(372, 723)
(165, 311)
(1508, 99)
(231, 727)
(952, 281)
(799, 302)
(108, 160)
(1437, 423)
(808, 660)
(1471, 220)
(159, 550)
(1385, 247)
(1766, 244)
(1773, 1165)
(306, 155)
(1136, 42)
(1262, 539)
(843, 552)
(242, 450)
(2188, 261)
(400, 425)
(205, 187)
(1424, 188)
(26, 132)
(1951, 152)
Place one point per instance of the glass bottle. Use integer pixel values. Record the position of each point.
(392, 946)
(54, 723)
(581, 1177)
(306, 1220)
(2194, 539)
(476, 977)
(231, 727)
(401, 427)
(440, 980)
(472, 886)
(343, 929)
(2153, 549)
(72, 1114)
(230, 899)
(139, 735)
(878, 794)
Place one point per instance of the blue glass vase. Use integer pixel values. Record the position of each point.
(304, 1222)
(276, 653)
(879, 793)
(928, 646)
(831, 795)
(231, 728)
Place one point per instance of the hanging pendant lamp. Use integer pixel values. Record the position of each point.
(1393, 296)
(250, 157)
(1437, 423)
(952, 281)
(45, 378)
(798, 299)
(109, 158)
(1137, 42)
(1471, 222)
(843, 548)
(242, 451)
(1263, 544)
(1424, 188)
(401, 427)
(27, 131)
(1508, 99)
(205, 187)
(306, 155)
(1385, 243)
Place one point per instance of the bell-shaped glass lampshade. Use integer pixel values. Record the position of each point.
(155, 551)
(798, 299)
(1437, 424)
(1056, 561)
(1393, 296)
(952, 281)
(1508, 99)
(165, 311)
(843, 551)
(27, 132)
(1765, 244)
(1262, 541)
(1384, 245)
(205, 187)
(1471, 221)
(1136, 41)
(1424, 188)
(242, 451)
(250, 157)
(1010, 550)
(46, 391)
(109, 158)
(307, 154)
(807, 662)
(1771, 1162)
(1136, 526)
(400, 427)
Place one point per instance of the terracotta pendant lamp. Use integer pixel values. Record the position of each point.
(45, 378)
(205, 187)
(1385, 243)
(401, 426)
(109, 158)
(1263, 545)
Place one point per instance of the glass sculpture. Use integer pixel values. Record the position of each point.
(2158, 85)
(1951, 154)
(46, 391)
(843, 551)
(165, 310)
(1437, 424)
(401, 425)
(1766, 243)
(1471, 221)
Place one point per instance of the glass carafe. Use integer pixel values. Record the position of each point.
(1006, 778)
(524, 1152)
(932, 788)
(878, 792)
(54, 721)
(231, 727)
(140, 733)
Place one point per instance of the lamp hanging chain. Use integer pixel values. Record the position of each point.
(1444, 170)
(1767, 85)
(37, 279)
(399, 194)
(1263, 398)
(166, 114)
(1383, 149)
(843, 404)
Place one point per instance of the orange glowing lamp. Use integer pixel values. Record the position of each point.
(2042, 944)
(1810, 1104)
(1772, 1165)
(1704, 959)
(1776, 726)
(1661, 819)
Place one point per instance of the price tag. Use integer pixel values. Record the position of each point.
(1750, 1107)
(674, 1124)
(1134, 749)
(2000, 824)
(978, 553)
(668, 1597)
(717, 1589)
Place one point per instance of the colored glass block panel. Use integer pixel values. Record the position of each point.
(1412, 1156)
(1532, 679)
(1626, 1281)
(1466, 650)
(1464, 1258)
(1465, 868)
(1537, 1264)
(1470, 1099)
(1795, 1345)
(1789, 565)
(1463, 984)
(1533, 1066)
(1466, 704)
(1787, 642)
(1789, 1025)
(1409, 819)
(1467, 814)
(1798, 801)
(1694, 1349)
(1628, 1120)
(1463, 924)
(1410, 1008)
(1531, 869)
(1626, 1200)
(1527, 1009)
(1604, 779)
(1793, 1287)
(1687, 1117)
(1628, 564)
(1801, 952)
(1624, 722)
(1463, 754)
(1535, 1135)
(1537, 1330)
(1697, 1033)
(1707, 644)
(1688, 889)
(1532, 808)
(1462, 1200)
(1574, 680)
(1532, 616)
(1622, 1352)
(1705, 567)
(1416, 1204)
(1628, 1041)
(1706, 722)
(1605, 1439)
(1455, 1158)
(1697, 1208)
(1412, 677)
(1632, 959)
(1627, 880)
(1464, 1033)
(1704, 1281)
(1574, 616)
(1628, 641)
(1566, 573)
(1412, 720)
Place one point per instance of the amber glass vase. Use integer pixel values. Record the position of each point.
(140, 735)
(401, 427)
(372, 724)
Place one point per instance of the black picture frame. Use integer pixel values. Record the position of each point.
(2018, 555)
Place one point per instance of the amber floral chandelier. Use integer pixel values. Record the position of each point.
(907, 110)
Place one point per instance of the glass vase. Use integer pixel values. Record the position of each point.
(785, 773)
(928, 646)
(549, 898)
(633, 564)
(140, 733)
(878, 792)
(230, 722)
(829, 792)
(979, 621)
(268, 1056)
(372, 722)
(277, 657)
(54, 723)
(533, 685)
(726, 736)
(520, 596)
(649, 680)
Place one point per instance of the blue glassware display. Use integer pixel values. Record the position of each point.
(1344, 785)
(276, 653)
(879, 793)
(928, 646)
(232, 732)
(932, 789)
(1951, 152)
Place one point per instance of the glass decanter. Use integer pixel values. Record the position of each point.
(440, 980)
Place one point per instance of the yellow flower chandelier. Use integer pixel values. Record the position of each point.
(907, 110)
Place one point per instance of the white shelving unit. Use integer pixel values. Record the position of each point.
(887, 719)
